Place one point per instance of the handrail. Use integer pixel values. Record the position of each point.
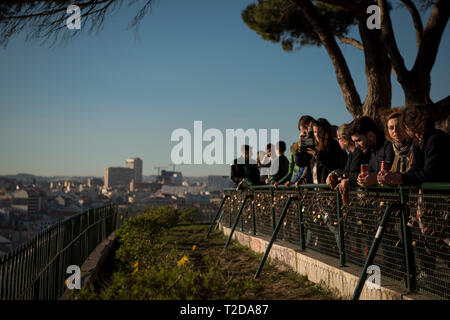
(45, 257)
(425, 186)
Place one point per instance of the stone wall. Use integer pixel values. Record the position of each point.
(322, 269)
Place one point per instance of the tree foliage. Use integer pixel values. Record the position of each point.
(283, 21)
(46, 19)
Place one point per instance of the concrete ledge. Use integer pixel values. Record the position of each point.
(322, 269)
(90, 268)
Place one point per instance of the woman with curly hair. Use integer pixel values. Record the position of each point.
(431, 147)
(401, 142)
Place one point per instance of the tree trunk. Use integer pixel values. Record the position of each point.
(417, 91)
(378, 72)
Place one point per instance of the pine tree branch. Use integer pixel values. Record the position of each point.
(391, 45)
(350, 41)
(432, 36)
(343, 75)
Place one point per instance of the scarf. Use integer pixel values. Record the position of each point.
(403, 156)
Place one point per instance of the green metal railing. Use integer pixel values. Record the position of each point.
(36, 270)
(413, 251)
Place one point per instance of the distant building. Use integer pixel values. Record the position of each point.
(218, 183)
(176, 190)
(148, 187)
(94, 182)
(136, 165)
(5, 200)
(173, 178)
(28, 200)
(118, 176)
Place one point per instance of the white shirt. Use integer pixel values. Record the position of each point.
(265, 160)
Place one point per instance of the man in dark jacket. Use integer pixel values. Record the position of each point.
(354, 160)
(280, 164)
(244, 168)
(368, 138)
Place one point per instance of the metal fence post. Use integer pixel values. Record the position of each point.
(273, 210)
(237, 220)
(341, 233)
(274, 235)
(253, 216)
(372, 252)
(231, 212)
(242, 223)
(301, 227)
(410, 267)
(216, 215)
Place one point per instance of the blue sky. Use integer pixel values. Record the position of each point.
(102, 98)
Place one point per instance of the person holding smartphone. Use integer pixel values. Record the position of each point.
(323, 155)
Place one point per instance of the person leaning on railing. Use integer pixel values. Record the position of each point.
(244, 170)
(324, 156)
(431, 149)
(265, 163)
(430, 164)
(403, 150)
(293, 170)
(280, 164)
(370, 139)
(343, 179)
(305, 137)
(401, 142)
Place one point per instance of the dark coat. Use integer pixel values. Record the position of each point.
(327, 160)
(246, 170)
(383, 152)
(353, 165)
(430, 163)
(283, 167)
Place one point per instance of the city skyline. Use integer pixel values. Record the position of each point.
(74, 110)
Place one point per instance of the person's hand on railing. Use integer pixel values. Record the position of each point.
(296, 184)
(275, 184)
(332, 180)
(367, 179)
(389, 178)
(287, 184)
(344, 188)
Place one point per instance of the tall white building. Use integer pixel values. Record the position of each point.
(136, 165)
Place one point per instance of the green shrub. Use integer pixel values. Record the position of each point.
(149, 268)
